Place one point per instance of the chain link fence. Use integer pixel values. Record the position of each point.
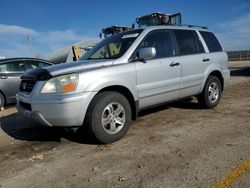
(239, 55)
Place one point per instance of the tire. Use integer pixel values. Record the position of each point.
(2, 101)
(108, 117)
(211, 94)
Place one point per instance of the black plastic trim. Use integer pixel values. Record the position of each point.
(137, 108)
(37, 74)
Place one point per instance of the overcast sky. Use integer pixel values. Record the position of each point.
(56, 24)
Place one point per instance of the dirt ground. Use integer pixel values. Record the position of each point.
(174, 145)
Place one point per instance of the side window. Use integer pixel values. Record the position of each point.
(3, 67)
(37, 64)
(211, 41)
(188, 42)
(162, 42)
(14, 66)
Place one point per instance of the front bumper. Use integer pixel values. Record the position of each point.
(66, 111)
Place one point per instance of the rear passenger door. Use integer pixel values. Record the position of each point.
(158, 79)
(194, 61)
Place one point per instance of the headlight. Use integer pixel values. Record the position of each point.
(61, 84)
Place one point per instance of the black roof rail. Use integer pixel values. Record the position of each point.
(198, 26)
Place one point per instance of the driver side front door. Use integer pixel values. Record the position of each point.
(158, 79)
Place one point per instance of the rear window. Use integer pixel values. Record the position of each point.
(188, 42)
(211, 41)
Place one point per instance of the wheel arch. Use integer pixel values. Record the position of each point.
(126, 93)
(218, 75)
(213, 71)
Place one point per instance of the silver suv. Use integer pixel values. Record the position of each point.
(124, 74)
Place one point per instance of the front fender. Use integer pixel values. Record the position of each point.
(123, 75)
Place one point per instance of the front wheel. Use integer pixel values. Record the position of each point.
(211, 94)
(109, 116)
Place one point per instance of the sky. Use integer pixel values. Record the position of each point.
(51, 25)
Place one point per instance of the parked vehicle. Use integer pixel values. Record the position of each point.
(10, 72)
(107, 88)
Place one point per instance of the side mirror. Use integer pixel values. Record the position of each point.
(146, 53)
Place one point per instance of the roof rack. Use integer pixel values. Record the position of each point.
(203, 27)
(191, 26)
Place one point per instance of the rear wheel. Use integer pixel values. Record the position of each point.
(2, 101)
(109, 116)
(211, 94)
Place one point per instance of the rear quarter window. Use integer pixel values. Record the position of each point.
(211, 41)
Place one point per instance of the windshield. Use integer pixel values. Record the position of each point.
(113, 47)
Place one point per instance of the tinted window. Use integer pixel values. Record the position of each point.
(3, 67)
(211, 41)
(14, 66)
(188, 42)
(38, 64)
(162, 42)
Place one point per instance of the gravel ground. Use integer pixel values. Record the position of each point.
(174, 145)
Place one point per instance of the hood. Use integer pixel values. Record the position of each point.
(51, 71)
(79, 66)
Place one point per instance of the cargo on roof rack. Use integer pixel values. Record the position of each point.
(158, 18)
(108, 31)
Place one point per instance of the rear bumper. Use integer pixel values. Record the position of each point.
(67, 112)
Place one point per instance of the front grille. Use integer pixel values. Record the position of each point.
(27, 106)
(27, 85)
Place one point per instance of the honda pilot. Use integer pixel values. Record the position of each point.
(124, 74)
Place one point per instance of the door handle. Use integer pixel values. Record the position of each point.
(174, 64)
(205, 59)
(3, 77)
